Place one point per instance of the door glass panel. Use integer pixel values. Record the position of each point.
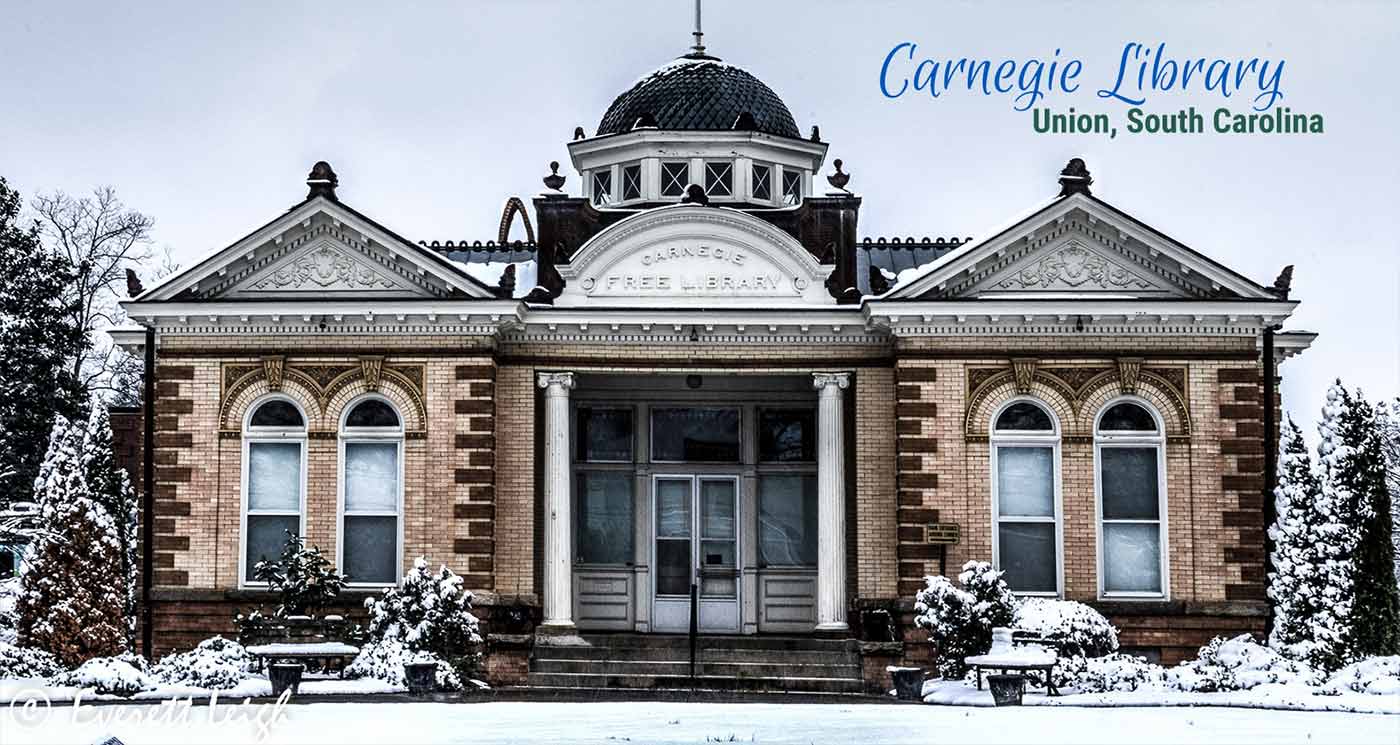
(717, 508)
(695, 434)
(673, 508)
(673, 567)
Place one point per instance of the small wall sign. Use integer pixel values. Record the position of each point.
(943, 534)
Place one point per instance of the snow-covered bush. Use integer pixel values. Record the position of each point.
(9, 597)
(960, 620)
(1116, 672)
(384, 660)
(1078, 630)
(19, 662)
(428, 612)
(302, 577)
(123, 675)
(1237, 664)
(1377, 675)
(216, 663)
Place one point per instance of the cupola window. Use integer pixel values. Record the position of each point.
(675, 177)
(762, 182)
(792, 187)
(602, 187)
(719, 178)
(631, 182)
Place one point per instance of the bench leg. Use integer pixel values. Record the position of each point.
(978, 669)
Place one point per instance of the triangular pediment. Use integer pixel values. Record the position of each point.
(320, 250)
(1073, 247)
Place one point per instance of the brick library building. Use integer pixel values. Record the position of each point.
(693, 372)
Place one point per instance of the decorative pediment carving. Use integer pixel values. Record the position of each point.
(326, 267)
(1074, 267)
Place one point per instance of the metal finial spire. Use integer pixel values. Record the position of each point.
(699, 47)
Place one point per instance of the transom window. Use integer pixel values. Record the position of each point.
(602, 187)
(675, 176)
(1128, 446)
(762, 181)
(695, 434)
(632, 182)
(792, 187)
(1026, 497)
(371, 444)
(719, 178)
(274, 481)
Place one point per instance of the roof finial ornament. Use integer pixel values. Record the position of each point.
(840, 178)
(554, 182)
(1283, 284)
(699, 46)
(322, 181)
(1075, 178)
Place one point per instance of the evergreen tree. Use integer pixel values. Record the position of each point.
(71, 597)
(38, 341)
(1310, 580)
(110, 487)
(1352, 459)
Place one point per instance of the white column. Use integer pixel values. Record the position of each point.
(831, 493)
(558, 528)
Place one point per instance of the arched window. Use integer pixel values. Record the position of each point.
(1131, 484)
(371, 492)
(274, 480)
(1026, 497)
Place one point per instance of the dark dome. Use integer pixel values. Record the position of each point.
(699, 92)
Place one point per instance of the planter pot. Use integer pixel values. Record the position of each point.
(284, 675)
(1007, 689)
(421, 677)
(908, 683)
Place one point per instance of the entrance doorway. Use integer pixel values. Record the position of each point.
(696, 541)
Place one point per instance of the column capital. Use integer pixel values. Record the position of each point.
(825, 380)
(563, 380)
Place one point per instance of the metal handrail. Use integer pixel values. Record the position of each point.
(694, 627)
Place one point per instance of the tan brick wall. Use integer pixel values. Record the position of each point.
(878, 568)
(515, 479)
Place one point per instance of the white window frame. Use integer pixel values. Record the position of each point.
(782, 195)
(771, 170)
(1028, 439)
(347, 435)
(610, 196)
(666, 179)
(717, 165)
(622, 184)
(252, 435)
(1115, 439)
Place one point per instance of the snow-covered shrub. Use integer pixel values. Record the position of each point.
(1078, 630)
(9, 597)
(428, 612)
(1237, 664)
(123, 675)
(384, 660)
(1116, 672)
(302, 577)
(1377, 675)
(19, 662)
(960, 620)
(216, 663)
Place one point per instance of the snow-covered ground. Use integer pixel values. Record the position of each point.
(613, 723)
(1268, 696)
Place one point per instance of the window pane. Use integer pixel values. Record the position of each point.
(674, 178)
(692, 434)
(604, 434)
(787, 520)
(631, 182)
(371, 477)
(673, 567)
(717, 508)
(787, 435)
(1026, 481)
(1132, 558)
(673, 508)
(1127, 417)
(717, 553)
(372, 413)
(719, 179)
(371, 549)
(602, 187)
(1129, 482)
(762, 188)
(1024, 416)
(605, 517)
(274, 476)
(267, 536)
(277, 413)
(792, 187)
(1027, 554)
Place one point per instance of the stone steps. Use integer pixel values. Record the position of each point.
(682, 667)
(711, 682)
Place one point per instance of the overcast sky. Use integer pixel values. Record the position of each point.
(207, 116)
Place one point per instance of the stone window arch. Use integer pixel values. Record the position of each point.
(1130, 485)
(1027, 522)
